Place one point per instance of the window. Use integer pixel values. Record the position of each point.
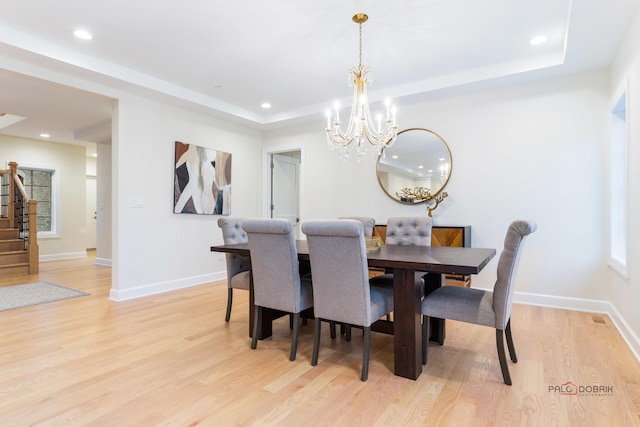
(39, 185)
(618, 251)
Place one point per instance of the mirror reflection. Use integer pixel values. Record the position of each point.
(419, 161)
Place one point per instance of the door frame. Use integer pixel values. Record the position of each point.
(266, 177)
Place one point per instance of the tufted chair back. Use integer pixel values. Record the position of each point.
(409, 230)
(232, 231)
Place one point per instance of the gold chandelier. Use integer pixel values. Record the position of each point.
(362, 134)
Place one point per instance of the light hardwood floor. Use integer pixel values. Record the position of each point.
(171, 360)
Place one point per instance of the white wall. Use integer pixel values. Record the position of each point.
(70, 163)
(625, 292)
(155, 250)
(529, 151)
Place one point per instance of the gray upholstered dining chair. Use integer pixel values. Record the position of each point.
(409, 231)
(276, 276)
(238, 266)
(341, 290)
(481, 307)
(368, 223)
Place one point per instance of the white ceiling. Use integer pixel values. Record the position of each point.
(226, 58)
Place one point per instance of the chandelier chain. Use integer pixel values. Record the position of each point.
(360, 59)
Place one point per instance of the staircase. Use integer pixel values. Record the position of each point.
(19, 251)
(14, 259)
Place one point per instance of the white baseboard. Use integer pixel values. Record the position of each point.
(567, 303)
(58, 257)
(103, 261)
(158, 288)
(625, 330)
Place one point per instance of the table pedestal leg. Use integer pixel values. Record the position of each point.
(407, 324)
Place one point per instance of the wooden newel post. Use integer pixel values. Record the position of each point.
(13, 170)
(33, 250)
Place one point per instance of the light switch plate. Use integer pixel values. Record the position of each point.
(136, 202)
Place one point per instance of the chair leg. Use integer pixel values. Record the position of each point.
(229, 302)
(501, 356)
(296, 333)
(345, 330)
(332, 328)
(316, 342)
(425, 338)
(290, 320)
(366, 351)
(257, 325)
(512, 349)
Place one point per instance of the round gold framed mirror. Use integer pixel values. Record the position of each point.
(418, 162)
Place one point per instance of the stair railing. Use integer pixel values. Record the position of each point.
(4, 193)
(21, 212)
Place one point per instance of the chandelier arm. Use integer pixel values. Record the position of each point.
(352, 126)
(342, 139)
(374, 135)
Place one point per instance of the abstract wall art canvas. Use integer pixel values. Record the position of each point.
(202, 180)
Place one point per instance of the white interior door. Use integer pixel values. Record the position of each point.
(285, 188)
(91, 212)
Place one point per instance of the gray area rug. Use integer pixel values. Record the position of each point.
(34, 293)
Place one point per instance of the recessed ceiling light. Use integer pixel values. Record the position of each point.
(394, 157)
(420, 167)
(265, 105)
(83, 34)
(538, 40)
(45, 135)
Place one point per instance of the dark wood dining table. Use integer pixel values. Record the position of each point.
(404, 261)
